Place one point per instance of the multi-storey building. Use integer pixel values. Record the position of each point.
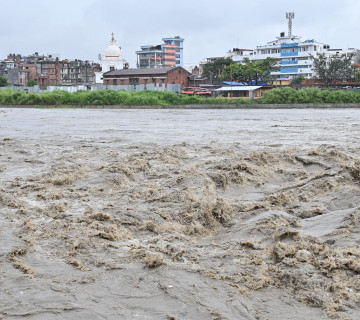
(46, 70)
(150, 57)
(26, 72)
(65, 73)
(292, 54)
(76, 72)
(48, 73)
(168, 54)
(173, 48)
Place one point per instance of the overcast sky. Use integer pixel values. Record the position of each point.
(82, 28)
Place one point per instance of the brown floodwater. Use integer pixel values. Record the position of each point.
(179, 214)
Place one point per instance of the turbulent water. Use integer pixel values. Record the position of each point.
(179, 214)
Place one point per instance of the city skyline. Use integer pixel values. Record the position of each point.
(83, 29)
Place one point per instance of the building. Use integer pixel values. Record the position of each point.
(12, 76)
(156, 76)
(64, 73)
(111, 59)
(46, 70)
(205, 61)
(76, 72)
(48, 73)
(150, 57)
(26, 72)
(238, 52)
(293, 54)
(251, 92)
(168, 54)
(173, 48)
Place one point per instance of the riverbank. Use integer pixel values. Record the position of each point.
(200, 106)
(275, 98)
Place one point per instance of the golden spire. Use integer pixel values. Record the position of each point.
(112, 38)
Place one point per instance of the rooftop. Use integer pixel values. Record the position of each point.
(148, 71)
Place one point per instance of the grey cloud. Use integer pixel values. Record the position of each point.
(81, 29)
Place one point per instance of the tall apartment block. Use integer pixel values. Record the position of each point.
(167, 54)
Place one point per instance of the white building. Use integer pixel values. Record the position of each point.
(111, 59)
(293, 54)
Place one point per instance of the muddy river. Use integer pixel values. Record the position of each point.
(179, 214)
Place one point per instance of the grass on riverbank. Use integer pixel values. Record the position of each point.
(159, 98)
(109, 97)
(316, 96)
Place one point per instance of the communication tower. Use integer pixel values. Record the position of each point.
(290, 16)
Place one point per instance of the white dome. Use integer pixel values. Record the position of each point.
(112, 58)
(113, 51)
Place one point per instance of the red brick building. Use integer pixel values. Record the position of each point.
(48, 73)
(161, 76)
(26, 72)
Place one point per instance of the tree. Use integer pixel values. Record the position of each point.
(334, 68)
(297, 81)
(31, 83)
(3, 82)
(357, 77)
(213, 70)
(251, 72)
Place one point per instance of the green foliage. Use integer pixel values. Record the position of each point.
(297, 81)
(293, 96)
(159, 98)
(108, 97)
(31, 83)
(258, 71)
(333, 68)
(3, 82)
(214, 70)
(357, 77)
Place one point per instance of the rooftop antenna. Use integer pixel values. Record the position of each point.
(290, 16)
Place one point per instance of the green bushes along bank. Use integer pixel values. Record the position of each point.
(315, 96)
(159, 98)
(108, 97)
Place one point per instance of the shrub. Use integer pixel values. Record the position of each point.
(31, 83)
(290, 96)
(3, 82)
(110, 97)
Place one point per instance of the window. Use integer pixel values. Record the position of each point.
(114, 82)
(289, 50)
(134, 81)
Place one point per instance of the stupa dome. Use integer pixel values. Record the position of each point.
(112, 57)
(112, 51)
